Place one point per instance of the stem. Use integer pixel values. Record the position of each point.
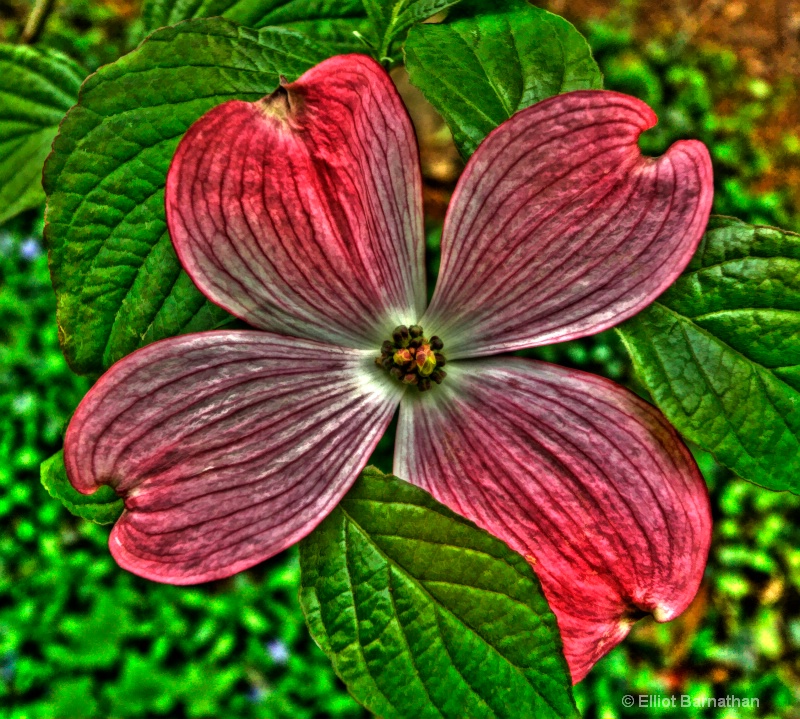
(36, 21)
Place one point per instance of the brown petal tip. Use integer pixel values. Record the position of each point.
(277, 104)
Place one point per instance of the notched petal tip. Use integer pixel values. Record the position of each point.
(301, 213)
(560, 227)
(279, 104)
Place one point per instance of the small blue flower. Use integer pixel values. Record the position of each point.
(256, 695)
(30, 249)
(278, 651)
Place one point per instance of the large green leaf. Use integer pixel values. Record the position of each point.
(330, 20)
(36, 88)
(118, 282)
(489, 60)
(720, 351)
(102, 507)
(424, 615)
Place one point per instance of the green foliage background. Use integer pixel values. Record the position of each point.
(81, 638)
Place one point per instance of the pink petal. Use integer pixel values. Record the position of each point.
(560, 228)
(583, 478)
(226, 446)
(302, 213)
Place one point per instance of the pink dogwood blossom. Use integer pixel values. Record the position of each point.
(302, 214)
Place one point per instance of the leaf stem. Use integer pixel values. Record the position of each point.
(36, 21)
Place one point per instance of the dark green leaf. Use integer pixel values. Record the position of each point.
(487, 61)
(720, 351)
(102, 507)
(392, 18)
(380, 15)
(36, 88)
(425, 615)
(330, 20)
(118, 282)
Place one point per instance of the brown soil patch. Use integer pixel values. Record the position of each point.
(765, 34)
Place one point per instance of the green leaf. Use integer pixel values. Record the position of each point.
(392, 18)
(36, 88)
(118, 282)
(425, 615)
(487, 61)
(720, 351)
(332, 21)
(102, 507)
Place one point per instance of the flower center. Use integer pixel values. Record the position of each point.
(412, 358)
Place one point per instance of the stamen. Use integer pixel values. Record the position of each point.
(402, 357)
(426, 361)
(400, 336)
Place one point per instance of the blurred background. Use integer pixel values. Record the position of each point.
(81, 638)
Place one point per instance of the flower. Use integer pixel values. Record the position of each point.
(30, 249)
(278, 651)
(302, 214)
